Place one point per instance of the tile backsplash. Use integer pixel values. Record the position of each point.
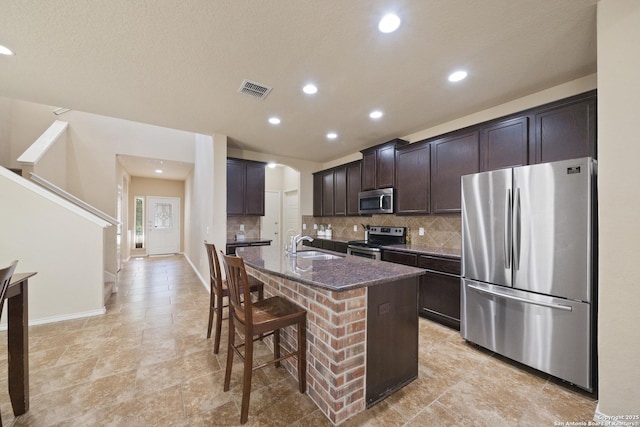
(440, 231)
(251, 227)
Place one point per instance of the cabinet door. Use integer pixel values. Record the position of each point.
(327, 193)
(369, 170)
(439, 298)
(405, 258)
(452, 157)
(505, 144)
(566, 131)
(353, 187)
(340, 191)
(413, 179)
(317, 194)
(254, 196)
(235, 187)
(385, 166)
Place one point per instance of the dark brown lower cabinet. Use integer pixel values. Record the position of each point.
(331, 245)
(392, 338)
(440, 290)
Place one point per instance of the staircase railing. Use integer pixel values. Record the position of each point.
(73, 199)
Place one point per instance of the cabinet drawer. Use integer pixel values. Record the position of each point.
(400, 258)
(444, 265)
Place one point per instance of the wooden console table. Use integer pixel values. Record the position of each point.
(18, 341)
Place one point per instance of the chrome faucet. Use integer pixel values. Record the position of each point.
(297, 239)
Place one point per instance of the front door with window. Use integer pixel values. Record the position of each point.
(163, 225)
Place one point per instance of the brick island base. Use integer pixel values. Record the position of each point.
(362, 344)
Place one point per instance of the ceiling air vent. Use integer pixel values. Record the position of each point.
(254, 89)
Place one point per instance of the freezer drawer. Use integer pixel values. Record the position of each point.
(550, 334)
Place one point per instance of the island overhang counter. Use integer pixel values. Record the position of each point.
(362, 323)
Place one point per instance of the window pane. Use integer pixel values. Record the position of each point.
(163, 217)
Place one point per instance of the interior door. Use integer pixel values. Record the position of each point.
(270, 226)
(292, 214)
(163, 225)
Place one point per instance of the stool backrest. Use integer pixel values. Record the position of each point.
(215, 272)
(238, 284)
(5, 279)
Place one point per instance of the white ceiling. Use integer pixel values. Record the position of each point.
(146, 167)
(179, 64)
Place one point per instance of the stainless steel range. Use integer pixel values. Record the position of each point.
(378, 236)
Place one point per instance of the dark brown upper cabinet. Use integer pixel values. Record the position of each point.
(353, 187)
(451, 158)
(245, 187)
(378, 165)
(504, 144)
(327, 193)
(566, 129)
(335, 190)
(413, 179)
(340, 191)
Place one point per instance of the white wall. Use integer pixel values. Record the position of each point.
(92, 145)
(5, 132)
(619, 204)
(60, 245)
(206, 201)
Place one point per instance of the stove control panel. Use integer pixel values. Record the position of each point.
(387, 231)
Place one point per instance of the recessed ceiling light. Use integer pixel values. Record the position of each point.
(309, 89)
(274, 120)
(376, 114)
(389, 23)
(332, 135)
(457, 76)
(6, 51)
(158, 171)
(271, 165)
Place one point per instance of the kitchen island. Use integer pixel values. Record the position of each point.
(362, 323)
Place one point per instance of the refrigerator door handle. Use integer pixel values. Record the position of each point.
(507, 230)
(525, 300)
(516, 233)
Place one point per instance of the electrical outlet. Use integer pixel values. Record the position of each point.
(241, 227)
(355, 228)
(421, 231)
(315, 226)
(304, 226)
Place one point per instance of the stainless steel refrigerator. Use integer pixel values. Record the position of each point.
(528, 266)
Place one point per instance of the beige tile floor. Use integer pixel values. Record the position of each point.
(147, 362)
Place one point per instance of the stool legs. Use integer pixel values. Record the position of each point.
(302, 355)
(215, 308)
(246, 379)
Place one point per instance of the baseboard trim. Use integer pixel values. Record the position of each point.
(54, 319)
(109, 277)
(599, 417)
(195, 270)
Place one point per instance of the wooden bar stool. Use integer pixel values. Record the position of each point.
(262, 317)
(219, 291)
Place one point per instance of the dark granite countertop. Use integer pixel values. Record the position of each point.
(426, 250)
(343, 273)
(247, 241)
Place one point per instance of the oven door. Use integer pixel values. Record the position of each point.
(370, 253)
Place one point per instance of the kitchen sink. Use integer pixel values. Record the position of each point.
(316, 255)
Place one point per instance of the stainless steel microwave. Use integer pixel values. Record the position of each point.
(375, 201)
